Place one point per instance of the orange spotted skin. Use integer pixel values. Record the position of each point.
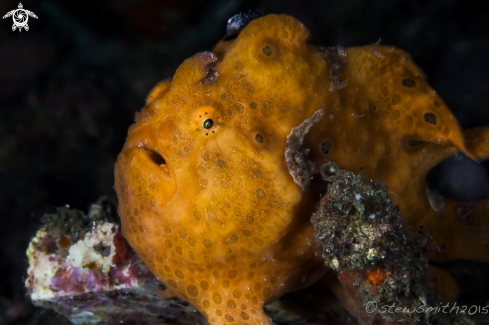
(214, 212)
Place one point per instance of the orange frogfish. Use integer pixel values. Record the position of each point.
(218, 178)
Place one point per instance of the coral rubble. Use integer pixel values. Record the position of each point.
(362, 236)
(83, 268)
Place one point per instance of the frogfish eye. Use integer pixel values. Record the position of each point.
(208, 123)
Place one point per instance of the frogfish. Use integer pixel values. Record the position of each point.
(219, 175)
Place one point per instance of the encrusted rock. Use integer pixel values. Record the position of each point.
(83, 268)
(362, 236)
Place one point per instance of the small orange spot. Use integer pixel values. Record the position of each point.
(64, 242)
(376, 276)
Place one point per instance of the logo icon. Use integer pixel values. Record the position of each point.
(20, 17)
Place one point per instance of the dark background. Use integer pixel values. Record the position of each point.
(69, 88)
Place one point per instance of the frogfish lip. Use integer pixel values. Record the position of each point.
(142, 165)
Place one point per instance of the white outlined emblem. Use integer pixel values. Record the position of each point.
(20, 17)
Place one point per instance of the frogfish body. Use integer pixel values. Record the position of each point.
(217, 180)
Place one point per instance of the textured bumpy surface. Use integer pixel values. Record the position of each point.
(214, 181)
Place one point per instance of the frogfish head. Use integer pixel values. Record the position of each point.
(202, 184)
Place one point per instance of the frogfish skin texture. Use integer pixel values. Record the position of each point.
(216, 181)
